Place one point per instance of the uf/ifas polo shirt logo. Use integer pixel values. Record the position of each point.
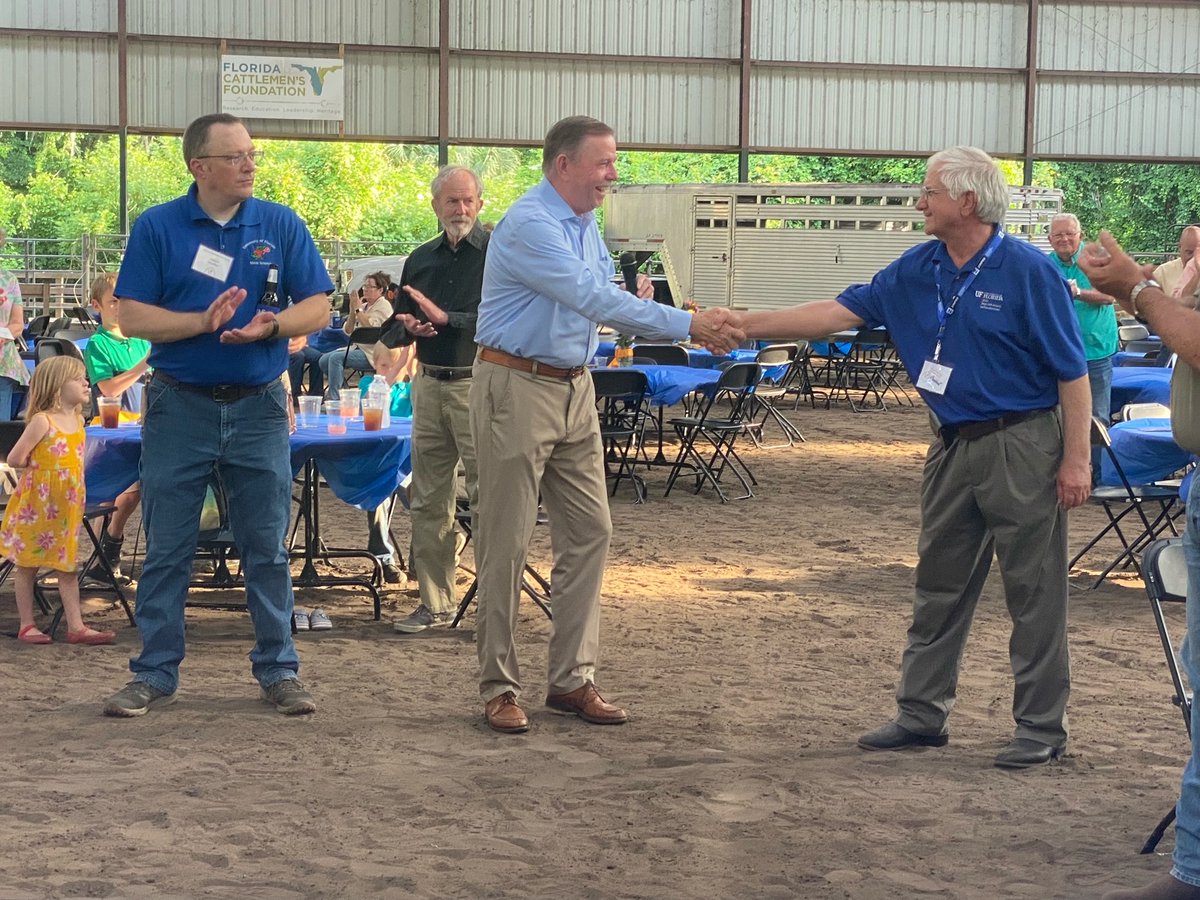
(989, 300)
(260, 251)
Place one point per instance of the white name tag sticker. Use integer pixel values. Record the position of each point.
(934, 377)
(212, 263)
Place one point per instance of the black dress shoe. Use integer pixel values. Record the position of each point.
(896, 737)
(391, 573)
(1022, 753)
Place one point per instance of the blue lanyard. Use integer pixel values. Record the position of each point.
(945, 311)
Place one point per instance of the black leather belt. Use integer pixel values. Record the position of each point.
(447, 373)
(970, 431)
(220, 393)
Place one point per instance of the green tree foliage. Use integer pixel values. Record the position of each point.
(66, 185)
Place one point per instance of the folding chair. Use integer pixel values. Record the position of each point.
(736, 386)
(663, 354)
(54, 346)
(532, 582)
(621, 405)
(366, 335)
(1131, 411)
(1120, 501)
(1164, 570)
(770, 391)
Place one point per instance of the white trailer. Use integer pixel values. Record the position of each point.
(765, 246)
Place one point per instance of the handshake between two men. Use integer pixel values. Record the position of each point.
(717, 330)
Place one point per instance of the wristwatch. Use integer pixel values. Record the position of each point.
(1136, 292)
(274, 331)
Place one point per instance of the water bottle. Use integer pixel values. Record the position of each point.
(379, 391)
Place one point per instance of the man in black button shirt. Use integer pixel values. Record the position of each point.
(435, 310)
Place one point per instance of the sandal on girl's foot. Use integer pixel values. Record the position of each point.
(91, 637)
(30, 635)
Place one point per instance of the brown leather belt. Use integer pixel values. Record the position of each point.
(970, 431)
(532, 366)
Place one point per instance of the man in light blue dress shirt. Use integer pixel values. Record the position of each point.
(546, 284)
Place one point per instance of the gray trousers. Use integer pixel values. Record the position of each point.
(441, 436)
(993, 494)
(538, 434)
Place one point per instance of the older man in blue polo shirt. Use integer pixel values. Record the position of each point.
(986, 330)
(546, 284)
(193, 273)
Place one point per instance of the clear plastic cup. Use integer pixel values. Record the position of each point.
(334, 418)
(349, 397)
(310, 411)
(110, 411)
(372, 413)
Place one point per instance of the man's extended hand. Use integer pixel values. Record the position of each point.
(713, 328)
(222, 309)
(433, 312)
(1111, 270)
(415, 326)
(256, 329)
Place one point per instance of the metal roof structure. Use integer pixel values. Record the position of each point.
(1026, 79)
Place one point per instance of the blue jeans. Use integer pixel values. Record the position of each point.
(334, 368)
(1187, 812)
(309, 357)
(185, 438)
(1100, 381)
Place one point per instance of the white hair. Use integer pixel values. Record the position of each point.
(445, 173)
(964, 169)
(1067, 217)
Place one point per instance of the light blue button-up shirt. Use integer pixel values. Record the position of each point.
(546, 285)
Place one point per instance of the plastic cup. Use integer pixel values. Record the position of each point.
(372, 411)
(110, 411)
(335, 420)
(349, 398)
(310, 411)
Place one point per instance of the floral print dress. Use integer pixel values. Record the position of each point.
(41, 521)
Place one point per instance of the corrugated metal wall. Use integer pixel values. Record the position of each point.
(825, 76)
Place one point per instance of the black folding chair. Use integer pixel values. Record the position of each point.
(736, 386)
(365, 335)
(532, 582)
(1123, 500)
(1164, 570)
(663, 354)
(621, 405)
(54, 346)
(767, 393)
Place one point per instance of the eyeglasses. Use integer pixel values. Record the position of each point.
(236, 159)
(926, 192)
(1055, 235)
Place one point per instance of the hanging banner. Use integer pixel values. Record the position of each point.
(283, 87)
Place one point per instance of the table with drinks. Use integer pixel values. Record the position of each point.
(363, 458)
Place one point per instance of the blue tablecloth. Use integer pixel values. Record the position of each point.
(328, 339)
(1146, 450)
(670, 384)
(1140, 385)
(362, 468)
(697, 356)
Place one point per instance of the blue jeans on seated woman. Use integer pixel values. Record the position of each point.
(334, 368)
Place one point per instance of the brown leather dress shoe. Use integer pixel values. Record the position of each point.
(586, 703)
(505, 714)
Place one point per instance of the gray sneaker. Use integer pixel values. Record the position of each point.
(290, 697)
(421, 619)
(136, 699)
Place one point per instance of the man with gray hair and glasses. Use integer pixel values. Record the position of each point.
(985, 328)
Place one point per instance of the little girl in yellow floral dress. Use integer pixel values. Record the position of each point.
(41, 522)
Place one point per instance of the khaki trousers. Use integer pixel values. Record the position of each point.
(538, 434)
(996, 495)
(441, 436)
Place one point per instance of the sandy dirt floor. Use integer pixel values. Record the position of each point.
(751, 642)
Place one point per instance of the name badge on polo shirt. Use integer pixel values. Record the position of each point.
(212, 263)
(934, 377)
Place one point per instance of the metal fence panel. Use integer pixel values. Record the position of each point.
(67, 82)
(400, 23)
(633, 28)
(663, 104)
(983, 33)
(886, 111)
